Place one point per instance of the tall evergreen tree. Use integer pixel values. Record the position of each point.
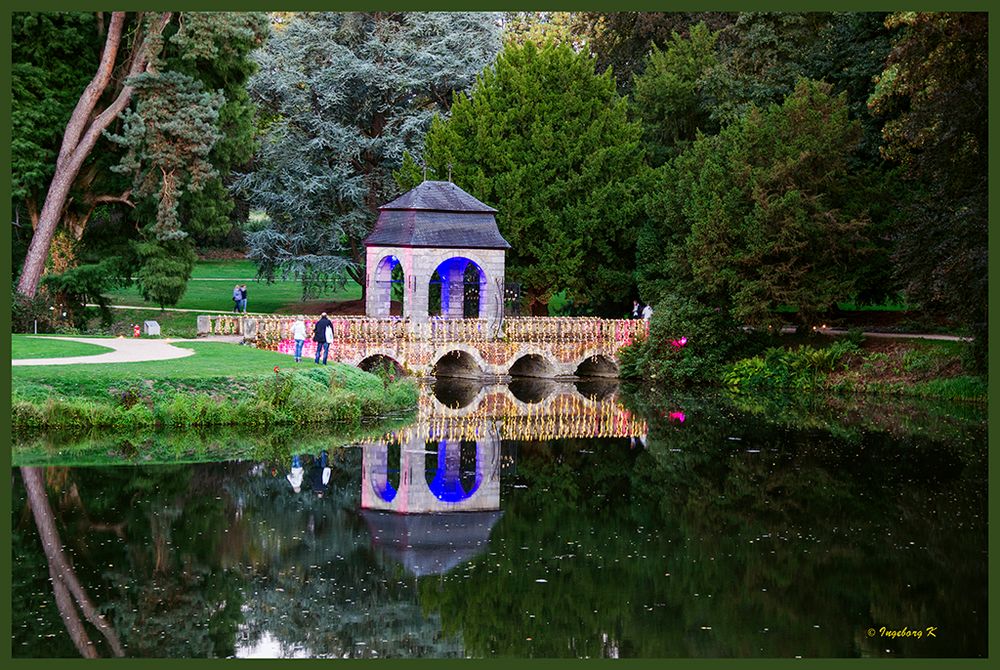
(547, 141)
(668, 96)
(343, 96)
(934, 97)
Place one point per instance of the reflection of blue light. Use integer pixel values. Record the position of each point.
(388, 492)
(447, 484)
(381, 484)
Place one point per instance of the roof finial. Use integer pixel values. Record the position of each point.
(449, 171)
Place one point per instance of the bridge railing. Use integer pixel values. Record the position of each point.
(268, 331)
(618, 332)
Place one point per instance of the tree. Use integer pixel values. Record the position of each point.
(765, 214)
(547, 142)
(762, 56)
(622, 40)
(156, 61)
(668, 97)
(343, 96)
(84, 130)
(933, 97)
(539, 27)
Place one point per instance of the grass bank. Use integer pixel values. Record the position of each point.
(221, 385)
(905, 367)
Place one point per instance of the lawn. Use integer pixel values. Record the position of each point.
(26, 346)
(211, 361)
(211, 289)
(221, 384)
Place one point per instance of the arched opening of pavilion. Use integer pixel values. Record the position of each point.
(387, 287)
(455, 289)
(452, 469)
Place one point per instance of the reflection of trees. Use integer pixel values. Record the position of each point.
(784, 529)
(66, 587)
(316, 584)
(691, 546)
(160, 580)
(209, 558)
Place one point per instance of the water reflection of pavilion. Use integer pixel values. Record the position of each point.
(430, 492)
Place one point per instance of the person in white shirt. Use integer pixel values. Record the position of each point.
(295, 476)
(299, 335)
(647, 312)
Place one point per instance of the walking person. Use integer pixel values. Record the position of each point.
(322, 334)
(299, 335)
(647, 312)
(243, 298)
(636, 309)
(237, 298)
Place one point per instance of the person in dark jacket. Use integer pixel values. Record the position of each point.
(319, 474)
(321, 336)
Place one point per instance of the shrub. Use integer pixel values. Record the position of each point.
(799, 368)
(276, 390)
(712, 338)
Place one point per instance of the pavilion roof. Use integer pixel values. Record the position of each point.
(437, 214)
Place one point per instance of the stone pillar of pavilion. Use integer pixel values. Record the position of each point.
(436, 227)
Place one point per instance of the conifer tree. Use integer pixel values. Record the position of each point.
(546, 141)
(343, 96)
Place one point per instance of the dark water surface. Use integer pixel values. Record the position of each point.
(529, 524)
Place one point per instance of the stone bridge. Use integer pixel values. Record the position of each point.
(542, 347)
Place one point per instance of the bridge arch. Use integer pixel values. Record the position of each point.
(533, 362)
(458, 360)
(596, 364)
(385, 360)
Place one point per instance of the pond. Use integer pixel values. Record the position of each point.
(535, 520)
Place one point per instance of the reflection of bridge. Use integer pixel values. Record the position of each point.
(451, 460)
(544, 347)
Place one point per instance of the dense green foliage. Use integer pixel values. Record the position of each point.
(342, 96)
(775, 164)
(546, 141)
(669, 97)
(765, 214)
(933, 94)
(621, 41)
